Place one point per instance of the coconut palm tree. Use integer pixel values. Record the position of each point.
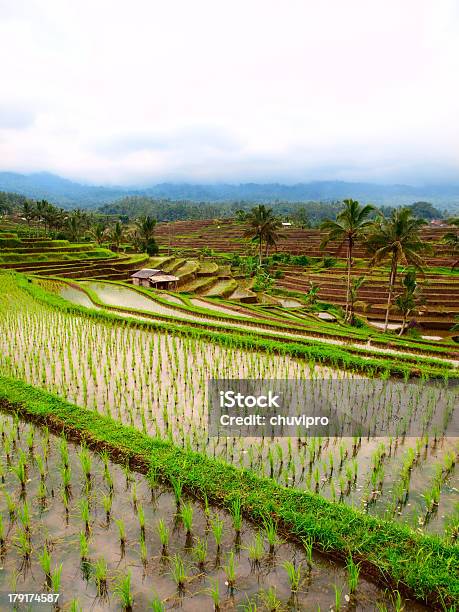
(73, 227)
(262, 226)
(143, 235)
(53, 217)
(40, 209)
(408, 301)
(356, 284)
(116, 234)
(76, 223)
(350, 226)
(397, 239)
(28, 211)
(99, 233)
(146, 227)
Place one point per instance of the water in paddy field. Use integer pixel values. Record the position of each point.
(116, 295)
(158, 383)
(124, 297)
(72, 294)
(57, 522)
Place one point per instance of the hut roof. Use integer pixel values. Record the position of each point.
(145, 273)
(163, 278)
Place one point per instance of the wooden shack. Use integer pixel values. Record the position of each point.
(148, 277)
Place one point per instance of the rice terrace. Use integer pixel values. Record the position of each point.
(114, 493)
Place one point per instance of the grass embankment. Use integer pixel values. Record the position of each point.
(55, 256)
(321, 353)
(420, 565)
(223, 288)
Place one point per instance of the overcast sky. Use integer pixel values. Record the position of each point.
(141, 91)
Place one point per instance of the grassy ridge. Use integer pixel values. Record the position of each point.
(422, 565)
(55, 256)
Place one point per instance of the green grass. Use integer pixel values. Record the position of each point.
(187, 269)
(157, 262)
(207, 267)
(55, 256)
(400, 557)
(223, 288)
(199, 284)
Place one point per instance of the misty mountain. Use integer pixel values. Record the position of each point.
(69, 194)
(60, 191)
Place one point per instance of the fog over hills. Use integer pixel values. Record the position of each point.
(71, 194)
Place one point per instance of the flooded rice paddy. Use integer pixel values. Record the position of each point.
(105, 538)
(158, 383)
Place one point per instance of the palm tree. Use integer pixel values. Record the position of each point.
(262, 226)
(99, 232)
(146, 227)
(409, 300)
(28, 211)
(40, 209)
(353, 295)
(350, 226)
(48, 214)
(143, 236)
(77, 222)
(74, 225)
(53, 216)
(117, 234)
(397, 239)
(271, 234)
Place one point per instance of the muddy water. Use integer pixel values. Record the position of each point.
(116, 295)
(76, 296)
(50, 524)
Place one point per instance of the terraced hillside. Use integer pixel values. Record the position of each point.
(439, 292)
(205, 277)
(227, 236)
(63, 258)
(269, 325)
(440, 286)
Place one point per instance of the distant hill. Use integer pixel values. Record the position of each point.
(70, 194)
(61, 191)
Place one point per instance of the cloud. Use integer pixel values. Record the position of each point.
(190, 139)
(231, 90)
(13, 117)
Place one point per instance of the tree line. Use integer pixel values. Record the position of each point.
(301, 214)
(77, 224)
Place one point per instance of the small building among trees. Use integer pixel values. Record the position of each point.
(158, 279)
